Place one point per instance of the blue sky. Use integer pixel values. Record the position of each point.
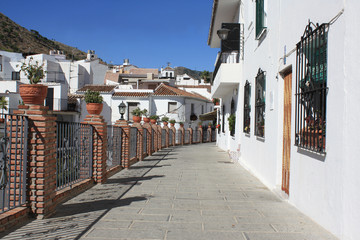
(149, 33)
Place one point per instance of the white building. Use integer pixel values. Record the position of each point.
(164, 101)
(292, 87)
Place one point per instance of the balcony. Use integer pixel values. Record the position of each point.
(227, 74)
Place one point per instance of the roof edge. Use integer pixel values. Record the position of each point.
(213, 15)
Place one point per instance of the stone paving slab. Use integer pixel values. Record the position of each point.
(189, 192)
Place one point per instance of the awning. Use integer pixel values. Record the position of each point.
(209, 116)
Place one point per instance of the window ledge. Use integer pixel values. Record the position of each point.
(262, 139)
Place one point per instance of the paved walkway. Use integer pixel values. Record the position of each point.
(190, 192)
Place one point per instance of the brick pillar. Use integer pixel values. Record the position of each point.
(166, 135)
(173, 129)
(147, 127)
(201, 134)
(139, 149)
(156, 138)
(125, 139)
(159, 136)
(182, 134)
(209, 133)
(41, 165)
(191, 135)
(99, 146)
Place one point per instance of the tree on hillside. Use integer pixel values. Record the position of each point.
(205, 75)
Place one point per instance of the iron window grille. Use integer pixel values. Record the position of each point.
(311, 88)
(260, 92)
(260, 18)
(247, 107)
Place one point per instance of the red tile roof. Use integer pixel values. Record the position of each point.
(97, 88)
(165, 90)
(132, 94)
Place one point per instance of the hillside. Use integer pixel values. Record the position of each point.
(15, 38)
(183, 70)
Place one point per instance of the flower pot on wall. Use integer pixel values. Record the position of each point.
(94, 108)
(153, 121)
(147, 120)
(165, 123)
(33, 93)
(136, 119)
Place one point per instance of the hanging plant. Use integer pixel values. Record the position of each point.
(231, 120)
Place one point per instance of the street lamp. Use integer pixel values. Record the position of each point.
(223, 33)
(122, 109)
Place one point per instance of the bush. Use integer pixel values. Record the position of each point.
(172, 121)
(155, 117)
(137, 112)
(164, 119)
(93, 97)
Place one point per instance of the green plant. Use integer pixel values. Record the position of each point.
(3, 105)
(155, 117)
(137, 112)
(181, 123)
(231, 120)
(145, 112)
(21, 102)
(200, 123)
(34, 72)
(216, 101)
(164, 119)
(210, 124)
(172, 121)
(93, 97)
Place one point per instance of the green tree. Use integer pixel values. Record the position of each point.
(205, 75)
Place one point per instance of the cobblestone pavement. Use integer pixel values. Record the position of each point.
(189, 192)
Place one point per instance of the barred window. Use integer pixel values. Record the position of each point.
(260, 92)
(260, 18)
(247, 107)
(15, 76)
(311, 82)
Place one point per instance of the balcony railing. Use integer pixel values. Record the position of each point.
(225, 57)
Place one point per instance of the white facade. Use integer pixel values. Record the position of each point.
(323, 186)
(185, 79)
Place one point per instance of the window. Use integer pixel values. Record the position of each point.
(202, 109)
(15, 76)
(260, 18)
(311, 88)
(260, 92)
(192, 108)
(0, 67)
(172, 107)
(247, 107)
(131, 107)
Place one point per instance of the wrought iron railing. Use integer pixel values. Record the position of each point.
(74, 153)
(133, 142)
(13, 151)
(152, 140)
(145, 137)
(163, 138)
(171, 137)
(114, 147)
(187, 137)
(179, 137)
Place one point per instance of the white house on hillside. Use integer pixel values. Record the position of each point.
(291, 85)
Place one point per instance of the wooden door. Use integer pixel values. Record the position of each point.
(286, 133)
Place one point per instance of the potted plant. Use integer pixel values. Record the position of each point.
(33, 93)
(153, 118)
(165, 120)
(200, 123)
(231, 120)
(3, 106)
(146, 115)
(216, 101)
(93, 101)
(181, 124)
(137, 113)
(172, 122)
(209, 125)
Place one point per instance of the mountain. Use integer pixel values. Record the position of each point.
(183, 70)
(15, 38)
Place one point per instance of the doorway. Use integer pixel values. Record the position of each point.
(286, 133)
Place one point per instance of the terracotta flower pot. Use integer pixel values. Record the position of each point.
(33, 93)
(181, 125)
(146, 119)
(94, 108)
(153, 121)
(166, 123)
(136, 119)
(172, 124)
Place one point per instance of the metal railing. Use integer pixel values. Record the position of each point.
(178, 137)
(133, 142)
(114, 147)
(225, 57)
(163, 138)
(13, 152)
(74, 153)
(171, 137)
(152, 140)
(187, 137)
(145, 134)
